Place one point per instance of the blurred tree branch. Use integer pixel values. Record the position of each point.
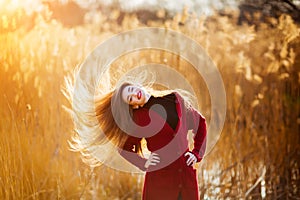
(256, 183)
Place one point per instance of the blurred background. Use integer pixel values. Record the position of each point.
(254, 43)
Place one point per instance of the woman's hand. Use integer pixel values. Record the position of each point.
(152, 160)
(191, 160)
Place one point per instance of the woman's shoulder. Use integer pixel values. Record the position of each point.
(183, 99)
(177, 95)
(171, 94)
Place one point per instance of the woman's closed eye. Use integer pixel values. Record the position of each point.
(130, 89)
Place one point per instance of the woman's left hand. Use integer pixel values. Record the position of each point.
(191, 160)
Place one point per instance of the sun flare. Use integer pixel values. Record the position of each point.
(28, 5)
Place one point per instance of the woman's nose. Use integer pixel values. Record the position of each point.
(135, 97)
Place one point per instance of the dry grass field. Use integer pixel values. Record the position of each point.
(256, 157)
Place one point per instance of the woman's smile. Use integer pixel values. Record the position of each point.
(139, 95)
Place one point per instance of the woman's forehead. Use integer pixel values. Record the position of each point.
(126, 90)
(127, 87)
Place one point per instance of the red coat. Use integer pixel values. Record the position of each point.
(171, 176)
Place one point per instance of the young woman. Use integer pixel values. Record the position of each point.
(133, 113)
(130, 113)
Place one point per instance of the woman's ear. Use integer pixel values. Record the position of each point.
(135, 106)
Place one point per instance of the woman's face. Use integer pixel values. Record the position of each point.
(134, 96)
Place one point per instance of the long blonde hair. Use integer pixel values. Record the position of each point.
(109, 109)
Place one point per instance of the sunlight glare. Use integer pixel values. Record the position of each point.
(28, 5)
(263, 189)
(2, 3)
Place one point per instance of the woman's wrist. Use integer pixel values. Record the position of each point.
(196, 153)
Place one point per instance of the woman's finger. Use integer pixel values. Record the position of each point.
(187, 154)
(156, 157)
(155, 161)
(153, 164)
(189, 161)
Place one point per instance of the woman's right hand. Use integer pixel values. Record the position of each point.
(152, 160)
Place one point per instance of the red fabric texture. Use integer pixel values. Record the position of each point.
(171, 176)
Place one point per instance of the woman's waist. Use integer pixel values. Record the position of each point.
(170, 161)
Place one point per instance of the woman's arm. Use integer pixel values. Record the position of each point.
(197, 123)
(130, 153)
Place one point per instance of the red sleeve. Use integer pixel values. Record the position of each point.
(196, 122)
(129, 152)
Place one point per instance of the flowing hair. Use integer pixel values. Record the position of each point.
(109, 109)
(98, 113)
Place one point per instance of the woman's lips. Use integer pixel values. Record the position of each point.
(139, 95)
